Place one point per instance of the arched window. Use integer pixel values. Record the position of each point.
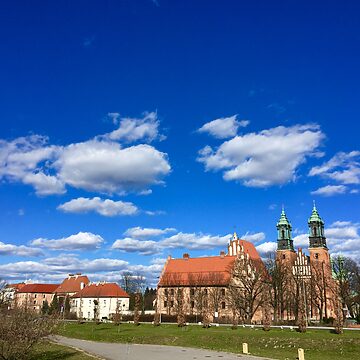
(283, 234)
(314, 230)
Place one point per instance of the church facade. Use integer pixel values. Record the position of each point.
(311, 274)
(205, 285)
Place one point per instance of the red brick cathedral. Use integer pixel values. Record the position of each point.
(312, 273)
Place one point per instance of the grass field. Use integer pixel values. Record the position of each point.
(277, 344)
(51, 351)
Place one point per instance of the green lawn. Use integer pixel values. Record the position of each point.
(51, 351)
(277, 344)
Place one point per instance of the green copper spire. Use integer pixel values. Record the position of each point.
(315, 217)
(317, 237)
(283, 227)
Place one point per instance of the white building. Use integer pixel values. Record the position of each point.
(100, 301)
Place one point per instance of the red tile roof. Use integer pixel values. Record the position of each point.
(38, 288)
(72, 284)
(101, 290)
(204, 271)
(15, 286)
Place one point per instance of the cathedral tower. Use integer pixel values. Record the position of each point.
(317, 240)
(285, 245)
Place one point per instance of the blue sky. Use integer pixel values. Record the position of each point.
(131, 130)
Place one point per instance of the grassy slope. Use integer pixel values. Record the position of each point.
(51, 351)
(279, 344)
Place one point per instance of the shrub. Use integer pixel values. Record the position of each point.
(20, 330)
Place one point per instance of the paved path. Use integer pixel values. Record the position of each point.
(116, 351)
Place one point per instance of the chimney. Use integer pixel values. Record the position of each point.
(222, 253)
(186, 256)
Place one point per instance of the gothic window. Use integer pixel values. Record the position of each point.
(223, 305)
(192, 292)
(192, 304)
(172, 291)
(223, 292)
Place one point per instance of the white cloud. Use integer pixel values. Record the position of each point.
(266, 248)
(18, 250)
(257, 237)
(139, 232)
(135, 129)
(301, 241)
(270, 157)
(105, 207)
(101, 164)
(105, 167)
(224, 127)
(343, 168)
(194, 241)
(143, 247)
(330, 190)
(79, 241)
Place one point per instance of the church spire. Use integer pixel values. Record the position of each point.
(316, 230)
(283, 226)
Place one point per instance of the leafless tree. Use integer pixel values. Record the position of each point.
(246, 286)
(180, 304)
(137, 308)
(20, 330)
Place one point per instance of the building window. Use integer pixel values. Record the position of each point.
(90, 302)
(315, 231)
(192, 292)
(34, 302)
(44, 296)
(316, 256)
(165, 304)
(35, 296)
(283, 256)
(172, 291)
(223, 292)
(172, 304)
(104, 302)
(192, 304)
(223, 305)
(283, 234)
(166, 291)
(205, 291)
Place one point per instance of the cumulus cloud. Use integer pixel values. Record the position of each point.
(330, 190)
(79, 241)
(194, 241)
(270, 157)
(57, 268)
(105, 167)
(139, 232)
(343, 168)
(224, 127)
(143, 247)
(266, 248)
(135, 129)
(105, 207)
(255, 238)
(19, 250)
(100, 164)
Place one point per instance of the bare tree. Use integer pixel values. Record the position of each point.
(180, 299)
(246, 286)
(20, 330)
(137, 308)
